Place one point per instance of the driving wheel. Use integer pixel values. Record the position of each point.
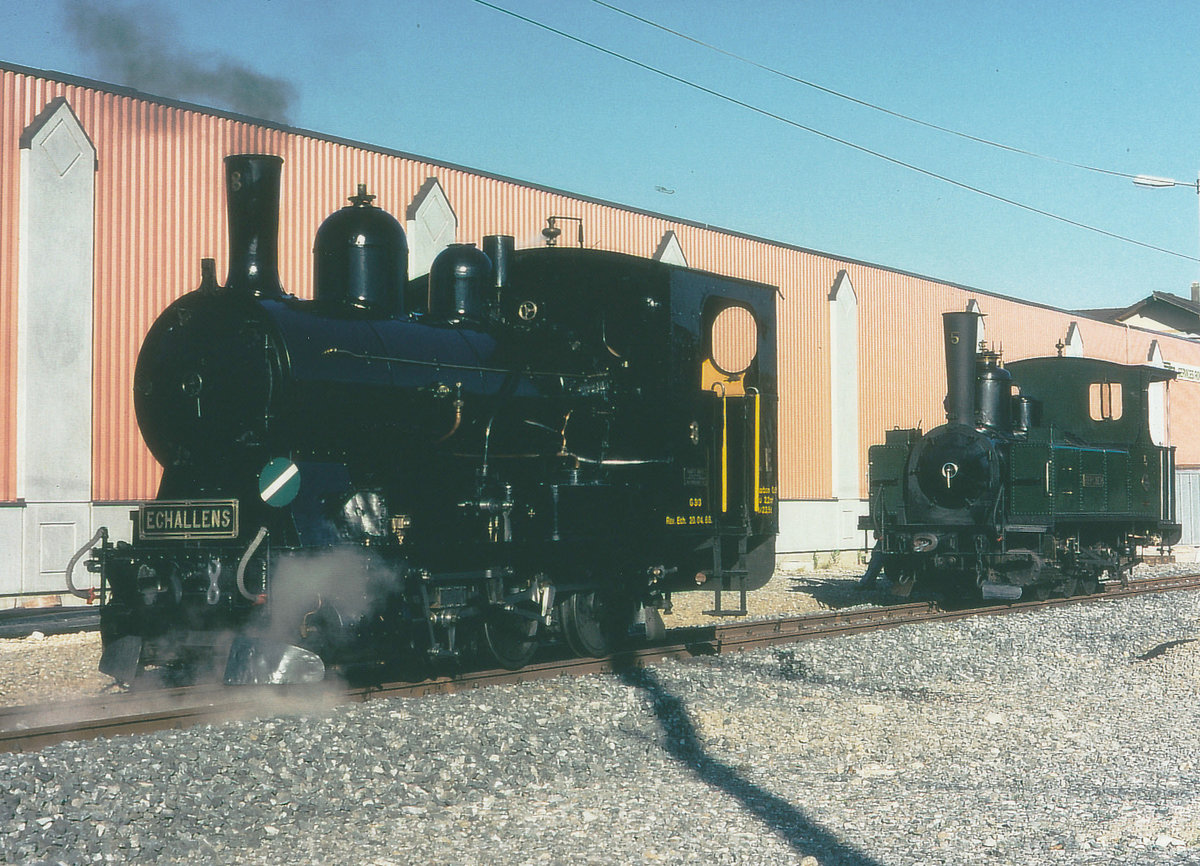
(592, 625)
(510, 638)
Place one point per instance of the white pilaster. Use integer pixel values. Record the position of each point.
(54, 346)
(431, 225)
(671, 251)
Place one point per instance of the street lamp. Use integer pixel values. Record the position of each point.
(1160, 182)
(1151, 182)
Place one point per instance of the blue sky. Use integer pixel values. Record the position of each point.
(1108, 85)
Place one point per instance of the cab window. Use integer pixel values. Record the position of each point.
(1105, 401)
(734, 340)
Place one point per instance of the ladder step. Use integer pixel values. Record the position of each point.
(736, 612)
(720, 610)
(727, 577)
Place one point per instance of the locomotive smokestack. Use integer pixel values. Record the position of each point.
(252, 194)
(962, 333)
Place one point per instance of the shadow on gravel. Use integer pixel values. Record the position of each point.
(1164, 648)
(835, 593)
(780, 816)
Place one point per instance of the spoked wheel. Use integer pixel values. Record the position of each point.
(509, 638)
(593, 626)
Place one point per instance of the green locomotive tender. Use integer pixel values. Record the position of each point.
(1026, 493)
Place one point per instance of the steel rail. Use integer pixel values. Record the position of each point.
(751, 635)
(29, 728)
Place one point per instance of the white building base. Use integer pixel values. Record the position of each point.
(808, 526)
(38, 539)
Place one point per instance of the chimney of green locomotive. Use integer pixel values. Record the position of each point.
(252, 196)
(961, 333)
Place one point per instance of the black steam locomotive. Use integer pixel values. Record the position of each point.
(1024, 493)
(527, 446)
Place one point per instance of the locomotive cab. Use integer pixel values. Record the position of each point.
(703, 433)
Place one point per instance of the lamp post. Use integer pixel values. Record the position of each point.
(1151, 182)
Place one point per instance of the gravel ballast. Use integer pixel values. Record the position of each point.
(1067, 736)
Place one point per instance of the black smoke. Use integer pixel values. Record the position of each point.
(136, 44)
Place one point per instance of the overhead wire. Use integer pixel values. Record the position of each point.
(864, 103)
(826, 135)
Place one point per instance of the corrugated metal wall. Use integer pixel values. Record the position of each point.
(12, 120)
(160, 208)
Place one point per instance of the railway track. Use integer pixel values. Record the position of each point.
(22, 622)
(30, 728)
